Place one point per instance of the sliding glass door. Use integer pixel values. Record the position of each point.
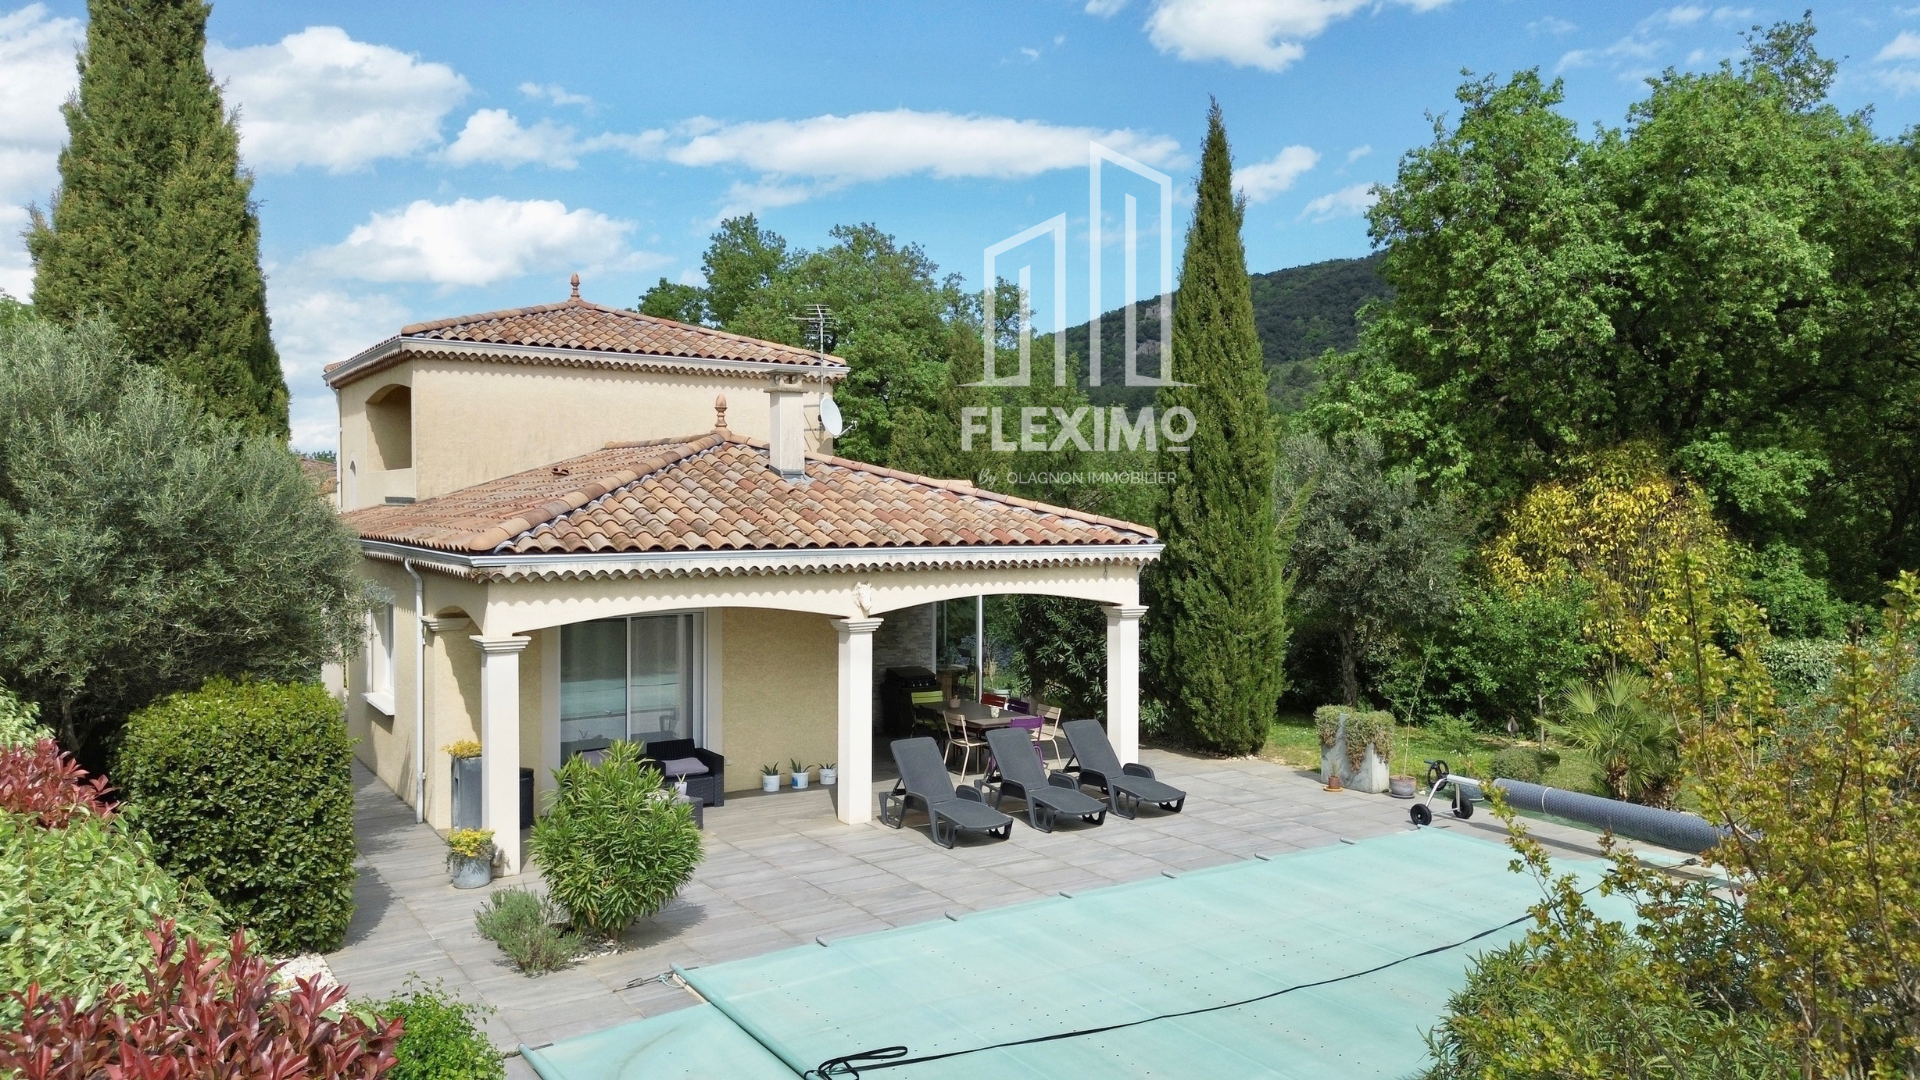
(636, 678)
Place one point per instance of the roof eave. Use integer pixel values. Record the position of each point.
(389, 352)
(759, 562)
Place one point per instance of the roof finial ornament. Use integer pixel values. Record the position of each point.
(575, 282)
(720, 412)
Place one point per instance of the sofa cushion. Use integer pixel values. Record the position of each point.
(684, 766)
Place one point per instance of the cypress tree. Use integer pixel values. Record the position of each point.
(154, 223)
(1216, 620)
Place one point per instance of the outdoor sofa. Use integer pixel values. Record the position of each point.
(704, 771)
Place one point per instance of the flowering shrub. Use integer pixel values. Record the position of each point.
(41, 783)
(199, 1015)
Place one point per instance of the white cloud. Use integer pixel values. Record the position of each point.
(36, 75)
(1269, 178)
(883, 145)
(319, 97)
(317, 325)
(1359, 152)
(1347, 202)
(479, 242)
(1551, 25)
(1904, 46)
(1681, 15)
(494, 137)
(1105, 8)
(1030, 54)
(1265, 34)
(555, 93)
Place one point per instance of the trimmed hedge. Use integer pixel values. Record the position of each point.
(248, 788)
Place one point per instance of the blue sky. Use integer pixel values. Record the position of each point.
(422, 160)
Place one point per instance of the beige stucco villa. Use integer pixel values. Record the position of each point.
(585, 523)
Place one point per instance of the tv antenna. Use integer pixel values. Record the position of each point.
(819, 317)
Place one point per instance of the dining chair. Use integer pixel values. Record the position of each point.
(959, 736)
(1030, 727)
(1050, 732)
(993, 699)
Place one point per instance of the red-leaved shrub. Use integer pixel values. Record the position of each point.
(44, 784)
(201, 1017)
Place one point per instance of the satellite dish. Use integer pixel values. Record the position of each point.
(830, 417)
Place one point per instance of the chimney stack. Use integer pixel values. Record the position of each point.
(787, 433)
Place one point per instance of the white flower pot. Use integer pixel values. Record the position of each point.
(828, 776)
(800, 781)
(770, 783)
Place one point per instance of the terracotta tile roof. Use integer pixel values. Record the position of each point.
(322, 473)
(596, 332)
(717, 492)
(577, 324)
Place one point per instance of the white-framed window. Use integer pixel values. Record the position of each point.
(380, 650)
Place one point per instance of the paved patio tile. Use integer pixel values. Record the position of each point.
(781, 871)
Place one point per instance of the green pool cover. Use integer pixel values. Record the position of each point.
(1350, 950)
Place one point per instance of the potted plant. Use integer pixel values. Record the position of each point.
(769, 778)
(799, 774)
(828, 774)
(466, 782)
(470, 857)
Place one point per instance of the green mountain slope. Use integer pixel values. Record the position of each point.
(1300, 312)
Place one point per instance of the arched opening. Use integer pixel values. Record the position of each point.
(390, 418)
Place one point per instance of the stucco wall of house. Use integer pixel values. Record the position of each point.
(475, 420)
(453, 711)
(383, 742)
(534, 414)
(779, 696)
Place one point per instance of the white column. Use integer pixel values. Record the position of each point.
(500, 743)
(856, 718)
(1123, 679)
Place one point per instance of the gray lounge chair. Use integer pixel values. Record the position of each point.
(1047, 796)
(1126, 786)
(924, 779)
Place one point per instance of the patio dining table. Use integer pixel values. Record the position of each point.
(981, 717)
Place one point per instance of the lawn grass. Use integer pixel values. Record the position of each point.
(1292, 740)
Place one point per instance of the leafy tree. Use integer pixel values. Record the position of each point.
(1730, 275)
(672, 300)
(154, 223)
(1499, 657)
(1813, 972)
(1664, 581)
(1370, 556)
(1217, 591)
(895, 322)
(147, 546)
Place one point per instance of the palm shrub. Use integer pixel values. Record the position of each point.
(441, 1037)
(527, 927)
(1634, 744)
(247, 787)
(613, 846)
